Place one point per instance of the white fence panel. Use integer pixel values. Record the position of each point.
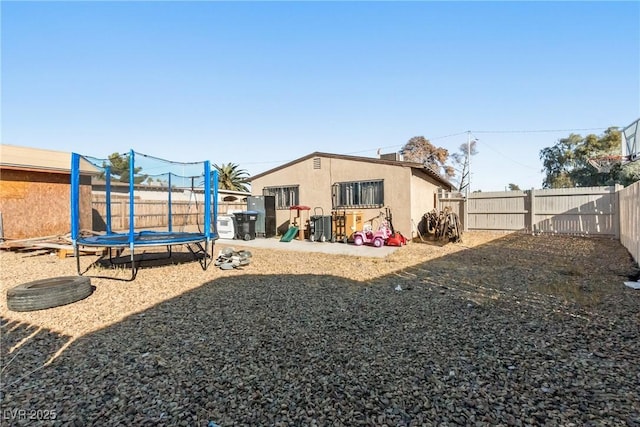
(601, 211)
(630, 219)
(587, 210)
(456, 205)
(497, 210)
(584, 211)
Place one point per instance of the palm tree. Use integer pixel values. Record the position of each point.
(231, 177)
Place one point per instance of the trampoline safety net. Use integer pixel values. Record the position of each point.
(139, 200)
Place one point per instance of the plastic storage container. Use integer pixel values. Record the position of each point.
(226, 227)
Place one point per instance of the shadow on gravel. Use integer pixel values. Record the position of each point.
(471, 339)
(144, 259)
(25, 348)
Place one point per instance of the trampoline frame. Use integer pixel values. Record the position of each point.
(197, 243)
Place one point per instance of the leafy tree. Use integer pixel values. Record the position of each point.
(156, 181)
(514, 187)
(462, 160)
(231, 177)
(418, 149)
(120, 169)
(566, 163)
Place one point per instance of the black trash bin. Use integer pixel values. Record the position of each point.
(246, 225)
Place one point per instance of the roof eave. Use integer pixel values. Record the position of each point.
(413, 165)
(42, 169)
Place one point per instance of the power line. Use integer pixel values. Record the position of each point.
(458, 134)
(502, 154)
(538, 130)
(267, 162)
(400, 145)
(488, 131)
(371, 149)
(448, 136)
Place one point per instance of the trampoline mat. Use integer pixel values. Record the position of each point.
(144, 238)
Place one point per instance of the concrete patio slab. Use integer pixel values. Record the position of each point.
(348, 249)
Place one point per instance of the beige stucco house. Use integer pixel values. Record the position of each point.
(351, 183)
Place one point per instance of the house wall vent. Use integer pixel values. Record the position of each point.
(316, 163)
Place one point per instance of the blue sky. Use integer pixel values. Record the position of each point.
(262, 83)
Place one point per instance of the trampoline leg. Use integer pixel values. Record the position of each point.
(206, 255)
(76, 253)
(134, 269)
(199, 249)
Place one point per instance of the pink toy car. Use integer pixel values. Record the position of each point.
(375, 238)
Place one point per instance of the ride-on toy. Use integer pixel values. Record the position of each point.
(395, 237)
(368, 236)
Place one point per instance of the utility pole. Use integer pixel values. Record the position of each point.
(468, 162)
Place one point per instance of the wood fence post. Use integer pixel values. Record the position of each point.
(465, 213)
(616, 207)
(532, 210)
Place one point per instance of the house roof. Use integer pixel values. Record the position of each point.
(37, 159)
(404, 164)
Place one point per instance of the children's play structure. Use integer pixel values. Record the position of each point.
(298, 220)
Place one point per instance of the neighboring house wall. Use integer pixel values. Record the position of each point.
(35, 192)
(37, 204)
(315, 179)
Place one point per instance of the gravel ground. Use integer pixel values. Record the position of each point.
(498, 330)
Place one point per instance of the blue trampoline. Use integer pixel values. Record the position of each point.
(139, 178)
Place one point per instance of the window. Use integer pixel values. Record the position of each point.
(359, 194)
(285, 196)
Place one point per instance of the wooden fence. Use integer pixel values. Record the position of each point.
(629, 199)
(600, 211)
(583, 211)
(153, 214)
